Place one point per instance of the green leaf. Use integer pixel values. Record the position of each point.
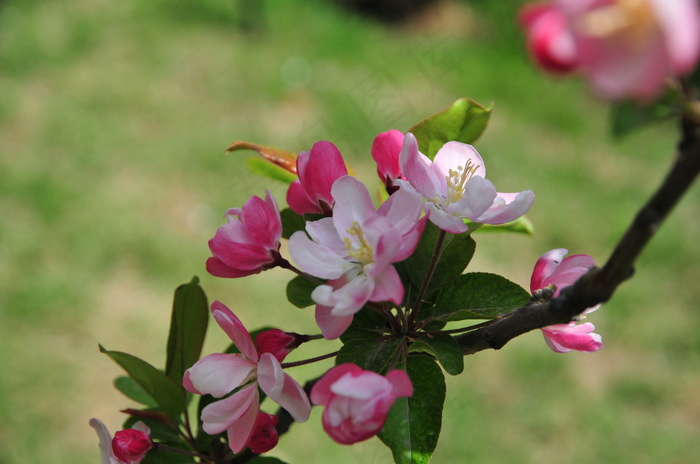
(366, 325)
(413, 425)
(522, 225)
(299, 292)
(477, 295)
(262, 168)
(133, 390)
(443, 347)
(188, 327)
(291, 222)
(161, 456)
(628, 115)
(168, 395)
(375, 356)
(456, 252)
(464, 122)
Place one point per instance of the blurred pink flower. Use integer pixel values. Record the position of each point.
(553, 269)
(250, 240)
(626, 48)
(355, 249)
(386, 149)
(357, 401)
(129, 446)
(456, 188)
(219, 374)
(317, 170)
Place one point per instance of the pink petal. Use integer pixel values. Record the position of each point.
(445, 221)
(322, 168)
(218, 268)
(417, 171)
(507, 207)
(240, 432)
(401, 383)
(324, 233)
(386, 149)
(479, 195)
(299, 201)
(545, 266)
(218, 374)
(348, 298)
(565, 337)
(317, 260)
(361, 386)
(331, 326)
(321, 391)
(262, 219)
(454, 154)
(388, 286)
(270, 375)
(353, 203)
(218, 416)
(235, 329)
(402, 209)
(105, 440)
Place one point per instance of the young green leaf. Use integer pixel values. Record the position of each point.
(271, 171)
(188, 327)
(477, 295)
(168, 395)
(283, 158)
(133, 390)
(413, 425)
(522, 225)
(444, 348)
(366, 325)
(464, 122)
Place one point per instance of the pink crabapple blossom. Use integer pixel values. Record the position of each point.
(626, 48)
(357, 401)
(265, 435)
(129, 446)
(219, 374)
(276, 342)
(355, 249)
(456, 188)
(553, 269)
(249, 242)
(318, 169)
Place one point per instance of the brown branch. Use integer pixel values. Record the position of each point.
(598, 285)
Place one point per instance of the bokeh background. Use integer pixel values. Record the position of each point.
(114, 116)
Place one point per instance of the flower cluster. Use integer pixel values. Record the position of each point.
(626, 48)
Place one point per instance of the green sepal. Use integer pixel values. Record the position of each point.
(375, 356)
(132, 390)
(464, 122)
(188, 327)
(299, 292)
(167, 394)
(413, 424)
(444, 348)
(477, 295)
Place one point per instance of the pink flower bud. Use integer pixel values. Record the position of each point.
(357, 401)
(386, 149)
(275, 342)
(131, 445)
(264, 436)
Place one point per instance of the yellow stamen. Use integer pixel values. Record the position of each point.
(364, 253)
(457, 181)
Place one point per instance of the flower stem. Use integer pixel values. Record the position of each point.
(308, 361)
(428, 276)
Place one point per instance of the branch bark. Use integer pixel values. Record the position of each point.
(599, 285)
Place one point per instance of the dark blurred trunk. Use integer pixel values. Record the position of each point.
(387, 11)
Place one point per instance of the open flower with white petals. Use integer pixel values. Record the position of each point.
(219, 374)
(355, 249)
(456, 187)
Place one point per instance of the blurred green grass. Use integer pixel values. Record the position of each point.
(113, 121)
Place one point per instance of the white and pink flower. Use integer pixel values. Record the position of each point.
(129, 446)
(219, 374)
(456, 188)
(626, 48)
(248, 243)
(355, 249)
(357, 401)
(553, 269)
(318, 169)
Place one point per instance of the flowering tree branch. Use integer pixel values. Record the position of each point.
(599, 284)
